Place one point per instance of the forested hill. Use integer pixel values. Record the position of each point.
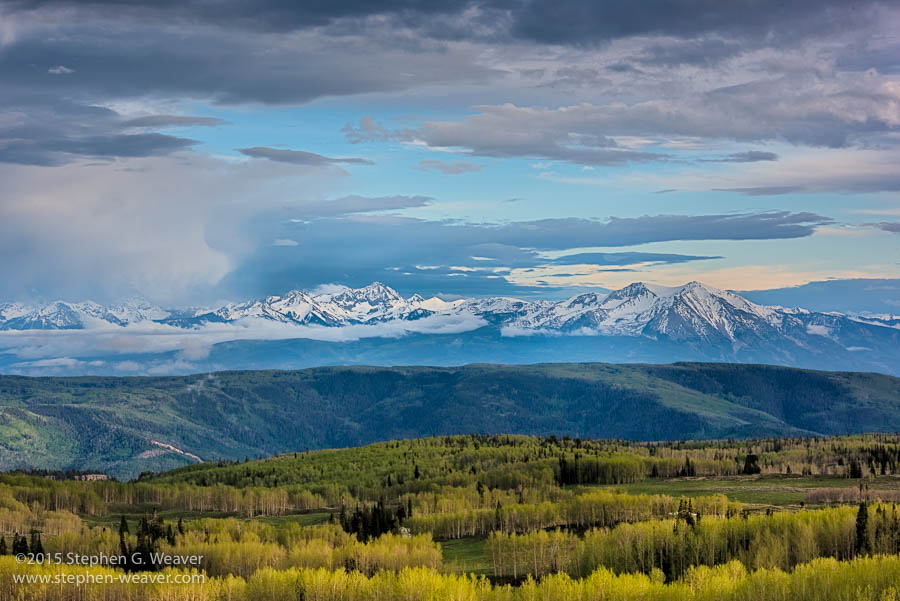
(127, 425)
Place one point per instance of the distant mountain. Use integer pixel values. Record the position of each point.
(641, 322)
(61, 315)
(128, 425)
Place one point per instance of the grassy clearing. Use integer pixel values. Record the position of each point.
(133, 513)
(780, 491)
(304, 519)
(466, 555)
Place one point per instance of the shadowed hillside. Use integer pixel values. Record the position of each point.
(128, 425)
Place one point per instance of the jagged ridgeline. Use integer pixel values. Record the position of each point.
(124, 426)
(375, 325)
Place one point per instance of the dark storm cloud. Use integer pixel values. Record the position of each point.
(578, 21)
(211, 64)
(278, 52)
(299, 157)
(262, 15)
(543, 21)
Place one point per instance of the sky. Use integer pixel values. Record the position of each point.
(191, 152)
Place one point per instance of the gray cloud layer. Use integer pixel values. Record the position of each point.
(836, 112)
(93, 80)
(174, 121)
(543, 21)
(665, 80)
(59, 131)
(415, 255)
(298, 157)
(750, 156)
(889, 226)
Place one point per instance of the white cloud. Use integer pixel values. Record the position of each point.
(127, 366)
(328, 289)
(166, 229)
(53, 348)
(818, 330)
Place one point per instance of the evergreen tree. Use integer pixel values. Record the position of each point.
(3, 550)
(144, 546)
(751, 464)
(36, 546)
(862, 529)
(20, 544)
(124, 549)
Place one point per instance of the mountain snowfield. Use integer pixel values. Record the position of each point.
(714, 324)
(693, 310)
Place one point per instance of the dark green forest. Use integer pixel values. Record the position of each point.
(124, 426)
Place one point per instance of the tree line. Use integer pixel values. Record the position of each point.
(874, 578)
(780, 540)
(598, 508)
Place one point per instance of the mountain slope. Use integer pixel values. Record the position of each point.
(376, 325)
(122, 425)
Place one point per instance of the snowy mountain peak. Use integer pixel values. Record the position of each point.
(631, 295)
(691, 313)
(379, 291)
(373, 302)
(631, 290)
(638, 322)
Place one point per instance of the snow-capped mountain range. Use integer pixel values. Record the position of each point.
(375, 325)
(693, 311)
